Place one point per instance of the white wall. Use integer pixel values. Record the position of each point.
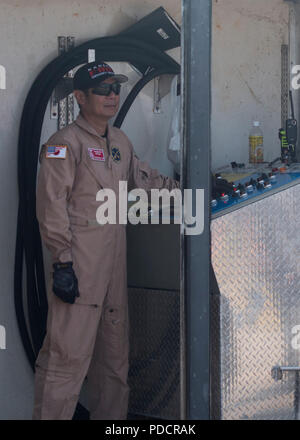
(246, 75)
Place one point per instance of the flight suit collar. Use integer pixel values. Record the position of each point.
(82, 123)
(105, 142)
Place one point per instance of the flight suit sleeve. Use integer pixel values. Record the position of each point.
(141, 175)
(54, 185)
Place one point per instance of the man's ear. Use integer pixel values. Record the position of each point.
(80, 96)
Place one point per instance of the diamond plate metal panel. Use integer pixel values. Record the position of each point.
(256, 259)
(154, 375)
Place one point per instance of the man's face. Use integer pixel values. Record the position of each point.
(104, 107)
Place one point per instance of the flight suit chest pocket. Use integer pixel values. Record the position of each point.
(96, 154)
(95, 159)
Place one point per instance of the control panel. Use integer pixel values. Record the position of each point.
(230, 195)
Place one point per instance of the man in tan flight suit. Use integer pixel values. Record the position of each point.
(87, 327)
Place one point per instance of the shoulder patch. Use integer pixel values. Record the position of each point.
(116, 155)
(56, 151)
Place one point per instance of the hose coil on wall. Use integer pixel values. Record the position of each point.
(32, 321)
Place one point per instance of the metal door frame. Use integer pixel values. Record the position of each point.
(195, 173)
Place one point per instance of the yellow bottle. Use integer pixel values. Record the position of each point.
(256, 140)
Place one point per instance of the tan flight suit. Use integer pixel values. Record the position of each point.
(88, 338)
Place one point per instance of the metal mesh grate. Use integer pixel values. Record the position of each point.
(66, 105)
(154, 375)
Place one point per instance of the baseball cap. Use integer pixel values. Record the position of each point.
(91, 74)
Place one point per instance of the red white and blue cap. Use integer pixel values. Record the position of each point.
(91, 74)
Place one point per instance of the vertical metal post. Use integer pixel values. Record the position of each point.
(297, 395)
(62, 103)
(195, 268)
(70, 74)
(66, 105)
(285, 76)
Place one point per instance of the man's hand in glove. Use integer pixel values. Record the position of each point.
(65, 284)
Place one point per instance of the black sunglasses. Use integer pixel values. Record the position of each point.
(106, 89)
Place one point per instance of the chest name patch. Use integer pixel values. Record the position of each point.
(56, 151)
(97, 154)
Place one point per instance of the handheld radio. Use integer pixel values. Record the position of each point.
(291, 131)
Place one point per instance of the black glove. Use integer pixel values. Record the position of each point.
(65, 284)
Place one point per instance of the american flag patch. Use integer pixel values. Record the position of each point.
(56, 151)
(97, 154)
